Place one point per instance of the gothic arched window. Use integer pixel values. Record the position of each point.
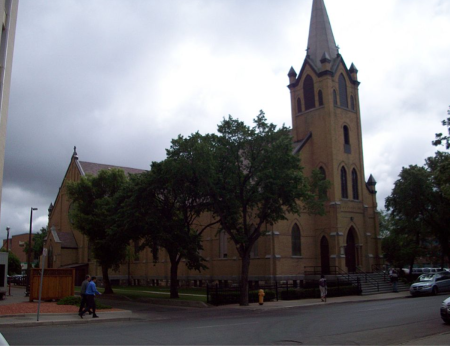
(355, 184)
(299, 105)
(308, 93)
(344, 189)
(323, 177)
(296, 242)
(347, 147)
(320, 96)
(343, 101)
(335, 98)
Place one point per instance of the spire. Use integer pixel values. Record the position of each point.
(321, 39)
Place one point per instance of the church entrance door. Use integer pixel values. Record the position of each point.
(350, 251)
(325, 256)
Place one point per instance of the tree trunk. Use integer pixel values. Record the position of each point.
(244, 278)
(173, 278)
(106, 283)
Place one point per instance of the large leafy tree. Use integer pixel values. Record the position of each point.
(164, 208)
(94, 215)
(410, 205)
(253, 179)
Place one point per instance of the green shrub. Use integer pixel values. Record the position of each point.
(73, 300)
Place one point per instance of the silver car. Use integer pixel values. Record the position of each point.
(431, 283)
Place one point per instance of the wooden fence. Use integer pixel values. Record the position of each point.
(56, 284)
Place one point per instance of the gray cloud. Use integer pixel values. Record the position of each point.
(120, 79)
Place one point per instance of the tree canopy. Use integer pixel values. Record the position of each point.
(94, 215)
(251, 179)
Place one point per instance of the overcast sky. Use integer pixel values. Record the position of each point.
(119, 79)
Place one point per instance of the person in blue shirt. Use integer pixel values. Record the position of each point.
(91, 291)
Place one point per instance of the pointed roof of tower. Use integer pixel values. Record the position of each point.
(321, 40)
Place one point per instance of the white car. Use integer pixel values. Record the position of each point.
(431, 283)
(445, 310)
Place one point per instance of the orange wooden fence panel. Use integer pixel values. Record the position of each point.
(56, 284)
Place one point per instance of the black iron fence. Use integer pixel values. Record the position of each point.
(219, 295)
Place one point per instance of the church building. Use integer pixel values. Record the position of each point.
(326, 130)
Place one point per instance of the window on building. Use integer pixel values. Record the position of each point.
(352, 102)
(320, 96)
(254, 250)
(136, 250)
(308, 93)
(347, 147)
(343, 101)
(344, 189)
(299, 105)
(335, 98)
(355, 184)
(296, 241)
(323, 177)
(50, 257)
(223, 244)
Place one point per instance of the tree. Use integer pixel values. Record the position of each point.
(440, 138)
(14, 266)
(439, 216)
(410, 204)
(94, 215)
(253, 179)
(162, 208)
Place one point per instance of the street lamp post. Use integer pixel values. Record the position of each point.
(27, 293)
(7, 238)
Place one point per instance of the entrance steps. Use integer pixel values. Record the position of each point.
(374, 283)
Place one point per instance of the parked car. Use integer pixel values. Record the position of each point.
(445, 310)
(431, 283)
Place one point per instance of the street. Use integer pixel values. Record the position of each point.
(385, 322)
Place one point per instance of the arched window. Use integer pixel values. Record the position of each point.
(335, 98)
(347, 147)
(320, 96)
(223, 244)
(355, 184)
(343, 101)
(308, 93)
(296, 242)
(322, 171)
(254, 250)
(323, 177)
(344, 189)
(352, 103)
(299, 105)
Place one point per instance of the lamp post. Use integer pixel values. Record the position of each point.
(7, 238)
(27, 293)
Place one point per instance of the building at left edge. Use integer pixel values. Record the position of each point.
(9, 20)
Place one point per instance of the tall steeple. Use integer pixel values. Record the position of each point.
(321, 40)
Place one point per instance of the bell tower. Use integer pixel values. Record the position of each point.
(326, 129)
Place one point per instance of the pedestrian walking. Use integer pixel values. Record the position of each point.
(83, 288)
(323, 288)
(91, 291)
(394, 280)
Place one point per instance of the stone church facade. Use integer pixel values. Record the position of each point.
(326, 130)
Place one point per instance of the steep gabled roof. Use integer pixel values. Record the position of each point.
(93, 168)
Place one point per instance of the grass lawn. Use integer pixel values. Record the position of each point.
(135, 292)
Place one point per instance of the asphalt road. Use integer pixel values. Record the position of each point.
(387, 322)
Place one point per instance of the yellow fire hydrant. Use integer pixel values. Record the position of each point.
(261, 295)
